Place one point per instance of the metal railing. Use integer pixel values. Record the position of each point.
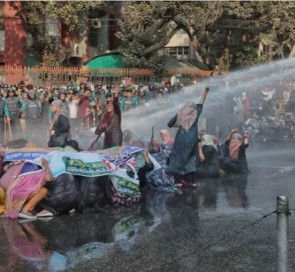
(282, 230)
(61, 75)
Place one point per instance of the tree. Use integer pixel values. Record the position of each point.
(252, 32)
(145, 28)
(227, 34)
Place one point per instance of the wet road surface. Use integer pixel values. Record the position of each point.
(209, 229)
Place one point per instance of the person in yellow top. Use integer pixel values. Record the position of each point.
(2, 200)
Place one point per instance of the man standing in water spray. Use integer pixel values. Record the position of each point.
(183, 157)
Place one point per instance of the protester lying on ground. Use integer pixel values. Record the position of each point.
(208, 161)
(234, 151)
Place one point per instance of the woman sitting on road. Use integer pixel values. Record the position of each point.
(234, 160)
(208, 165)
(160, 179)
(60, 126)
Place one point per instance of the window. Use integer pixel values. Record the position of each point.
(51, 26)
(92, 34)
(181, 52)
(2, 40)
(2, 31)
(29, 40)
(173, 51)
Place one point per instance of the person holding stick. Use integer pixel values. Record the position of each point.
(182, 163)
(110, 125)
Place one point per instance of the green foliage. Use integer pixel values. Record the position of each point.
(228, 34)
(145, 28)
(51, 59)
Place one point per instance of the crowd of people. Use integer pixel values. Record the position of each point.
(266, 112)
(183, 161)
(26, 110)
(50, 116)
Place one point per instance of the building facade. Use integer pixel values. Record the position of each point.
(179, 47)
(12, 37)
(95, 35)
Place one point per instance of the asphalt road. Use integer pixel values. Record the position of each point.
(210, 229)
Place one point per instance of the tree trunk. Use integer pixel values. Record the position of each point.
(292, 53)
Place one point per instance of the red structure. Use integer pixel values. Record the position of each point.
(12, 37)
(96, 36)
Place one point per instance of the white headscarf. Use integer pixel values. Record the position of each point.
(61, 109)
(209, 140)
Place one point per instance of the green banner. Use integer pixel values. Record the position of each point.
(82, 168)
(127, 186)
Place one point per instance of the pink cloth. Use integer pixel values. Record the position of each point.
(2, 151)
(18, 192)
(9, 176)
(247, 104)
(166, 137)
(26, 244)
(234, 146)
(28, 249)
(186, 116)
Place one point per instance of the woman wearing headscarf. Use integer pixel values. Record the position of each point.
(160, 179)
(235, 160)
(60, 128)
(208, 160)
(110, 125)
(183, 157)
(166, 137)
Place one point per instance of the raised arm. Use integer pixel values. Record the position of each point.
(117, 109)
(101, 127)
(204, 96)
(172, 121)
